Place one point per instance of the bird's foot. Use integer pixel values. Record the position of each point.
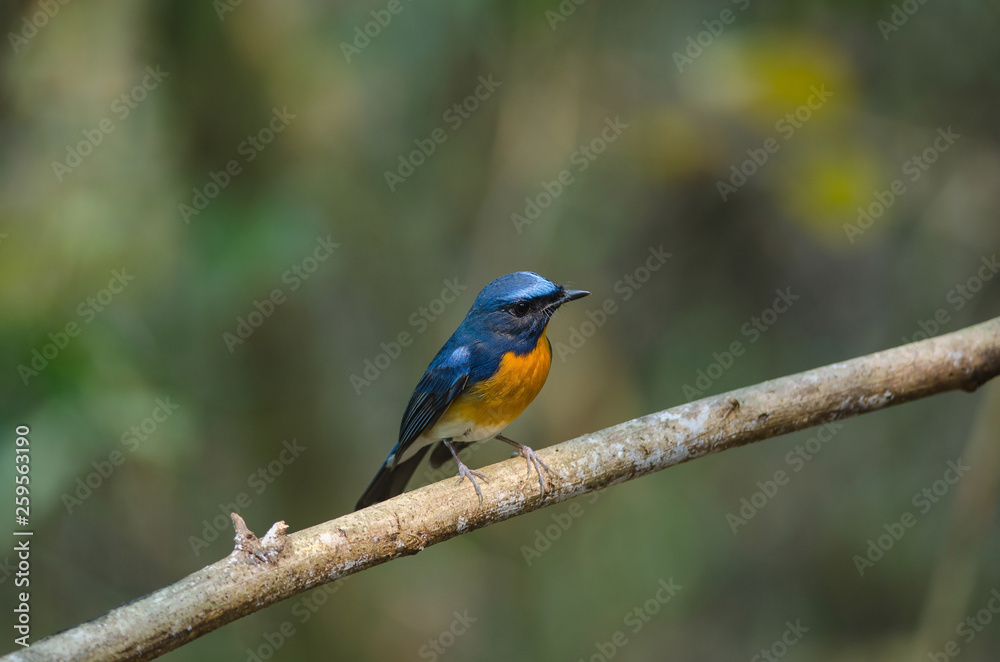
(532, 460)
(465, 472)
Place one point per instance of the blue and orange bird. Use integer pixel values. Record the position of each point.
(487, 373)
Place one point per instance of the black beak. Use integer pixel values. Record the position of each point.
(572, 295)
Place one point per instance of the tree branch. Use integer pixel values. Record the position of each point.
(262, 572)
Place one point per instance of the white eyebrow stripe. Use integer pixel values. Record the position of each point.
(539, 288)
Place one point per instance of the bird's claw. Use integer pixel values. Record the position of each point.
(532, 460)
(465, 472)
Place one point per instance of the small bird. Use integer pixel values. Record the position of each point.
(487, 373)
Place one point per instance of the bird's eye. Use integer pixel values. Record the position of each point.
(520, 309)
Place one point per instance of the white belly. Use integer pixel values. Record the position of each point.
(454, 430)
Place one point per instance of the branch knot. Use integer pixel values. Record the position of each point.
(264, 550)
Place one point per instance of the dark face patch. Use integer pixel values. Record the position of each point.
(524, 317)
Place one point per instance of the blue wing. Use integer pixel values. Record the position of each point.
(446, 377)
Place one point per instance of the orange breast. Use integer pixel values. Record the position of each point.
(499, 400)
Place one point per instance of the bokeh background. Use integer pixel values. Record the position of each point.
(202, 81)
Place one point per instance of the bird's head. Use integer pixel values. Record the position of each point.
(519, 305)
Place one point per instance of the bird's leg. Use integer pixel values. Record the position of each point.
(466, 472)
(531, 458)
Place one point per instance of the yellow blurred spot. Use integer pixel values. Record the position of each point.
(762, 75)
(822, 188)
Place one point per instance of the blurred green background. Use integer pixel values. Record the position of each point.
(203, 153)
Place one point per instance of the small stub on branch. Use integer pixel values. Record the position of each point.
(266, 549)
